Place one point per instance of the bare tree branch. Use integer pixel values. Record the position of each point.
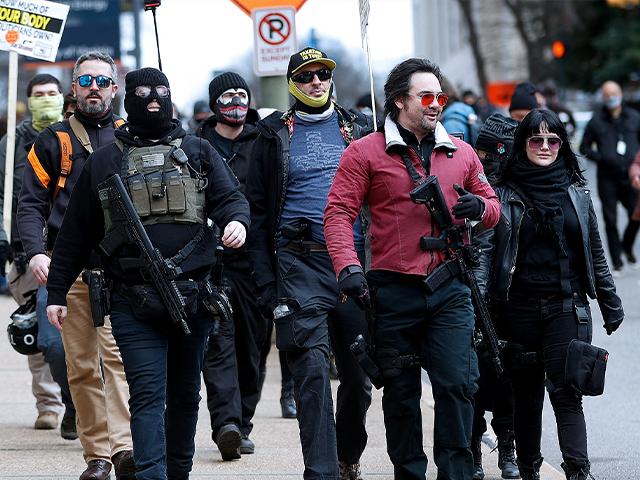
(467, 11)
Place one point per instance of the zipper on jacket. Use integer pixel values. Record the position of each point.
(285, 177)
(515, 257)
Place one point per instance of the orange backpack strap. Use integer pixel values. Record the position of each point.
(65, 160)
(118, 122)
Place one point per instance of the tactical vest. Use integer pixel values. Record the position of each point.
(160, 185)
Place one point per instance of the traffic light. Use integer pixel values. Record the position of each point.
(558, 49)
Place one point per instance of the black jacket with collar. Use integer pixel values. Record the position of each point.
(240, 161)
(605, 132)
(241, 146)
(267, 182)
(39, 206)
(498, 264)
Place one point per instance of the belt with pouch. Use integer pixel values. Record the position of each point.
(306, 246)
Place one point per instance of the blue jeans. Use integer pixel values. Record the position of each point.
(162, 366)
(50, 344)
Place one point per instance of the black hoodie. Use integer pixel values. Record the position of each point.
(83, 225)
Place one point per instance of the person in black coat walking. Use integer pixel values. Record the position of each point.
(545, 258)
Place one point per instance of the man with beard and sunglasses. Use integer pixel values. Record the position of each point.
(176, 183)
(423, 315)
(94, 366)
(296, 157)
(232, 362)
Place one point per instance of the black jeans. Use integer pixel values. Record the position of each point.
(233, 388)
(541, 325)
(437, 328)
(220, 373)
(494, 395)
(309, 281)
(614, 188)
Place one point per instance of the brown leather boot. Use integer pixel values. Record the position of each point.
(96, 470)
(124, 465)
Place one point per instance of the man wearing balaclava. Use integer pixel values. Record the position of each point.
(176, 182)
(232, 362)
(296, 157)
(44, 102)
(611, 140)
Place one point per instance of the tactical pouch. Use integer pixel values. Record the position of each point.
(147, 305)
(139, 194)
(176, 199)
(586, 364)
(585, 368)
(301, 329)
(157, 193)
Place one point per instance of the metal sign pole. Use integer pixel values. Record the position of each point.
(11, 141)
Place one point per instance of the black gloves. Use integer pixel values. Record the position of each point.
(612, 327)
(469, 205)
(5, 254)
(267, 300)
(352, 283)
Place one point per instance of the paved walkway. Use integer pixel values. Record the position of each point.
(26, 453)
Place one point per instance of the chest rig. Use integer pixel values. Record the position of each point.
(160, 185)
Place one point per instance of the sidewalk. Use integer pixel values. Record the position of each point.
(29, 454)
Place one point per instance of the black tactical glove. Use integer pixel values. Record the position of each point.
(5, 253)
(267, 300)
(469, 205)
(612, 327)
(352, 283)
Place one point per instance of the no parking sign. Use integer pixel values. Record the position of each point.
(275, 39)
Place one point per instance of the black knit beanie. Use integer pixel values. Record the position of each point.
(524, 97)
(142, 122)
(496, 135)
(224, 82)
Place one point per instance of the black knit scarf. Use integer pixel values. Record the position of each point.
(543, 189)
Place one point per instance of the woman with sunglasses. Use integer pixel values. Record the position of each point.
(546, 258)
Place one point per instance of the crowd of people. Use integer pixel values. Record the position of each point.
(147, 258)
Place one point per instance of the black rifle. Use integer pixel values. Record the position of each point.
(463, 257)
(127, 227)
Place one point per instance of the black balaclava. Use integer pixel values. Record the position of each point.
(142, 122)
(233, 113)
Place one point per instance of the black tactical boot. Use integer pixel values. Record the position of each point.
(287, 401)
(476, 449)
(531, 472)
(577, 472)
(507, 457)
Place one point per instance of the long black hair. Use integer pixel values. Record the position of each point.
(531, 125)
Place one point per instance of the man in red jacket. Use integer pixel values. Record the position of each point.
(414, 326)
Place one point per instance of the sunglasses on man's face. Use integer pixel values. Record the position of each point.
(102, 81)
(323, 74)
(144, 91)
(426, 99)
(537, 141)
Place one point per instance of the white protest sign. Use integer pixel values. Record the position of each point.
(32, 27)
